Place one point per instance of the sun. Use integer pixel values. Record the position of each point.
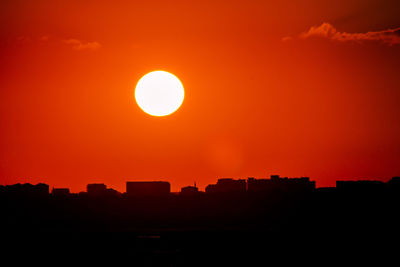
(159, 93)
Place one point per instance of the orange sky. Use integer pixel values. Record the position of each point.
(264, 93)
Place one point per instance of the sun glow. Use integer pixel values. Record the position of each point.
(159, 93)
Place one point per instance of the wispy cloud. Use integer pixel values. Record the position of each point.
(327, 30)
(81, 45)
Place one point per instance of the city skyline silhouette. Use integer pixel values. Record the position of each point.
(233, 222)
(241, 185)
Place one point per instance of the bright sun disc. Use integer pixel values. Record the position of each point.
(159, 93)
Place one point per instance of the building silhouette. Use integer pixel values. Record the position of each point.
(96, 190)
(360, 186)
(189, 191)
(394, 184)
(227, 185)
(60, 192)
(151, 188)
(26, 190)
(280, 184)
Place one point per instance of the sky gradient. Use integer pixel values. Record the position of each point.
(296, 88)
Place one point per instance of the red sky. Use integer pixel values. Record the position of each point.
(269, 89)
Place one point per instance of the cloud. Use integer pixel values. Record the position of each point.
(326, 30)
(287, 38)
(80, 45)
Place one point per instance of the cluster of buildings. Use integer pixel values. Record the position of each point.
(275, 184)
(92, 190)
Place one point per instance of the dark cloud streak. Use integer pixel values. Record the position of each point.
(326, 30)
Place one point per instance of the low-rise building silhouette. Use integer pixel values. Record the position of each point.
(258, 185)
(96, 190)
(189, 191)
(227, 185)
(211, 189)
(60, 192)
(394, 182)
(112, 192)
(280, 184)
(26, 190)
(360, 186)
(42, 189)
(151, 188)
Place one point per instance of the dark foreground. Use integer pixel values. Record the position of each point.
(322, 227)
